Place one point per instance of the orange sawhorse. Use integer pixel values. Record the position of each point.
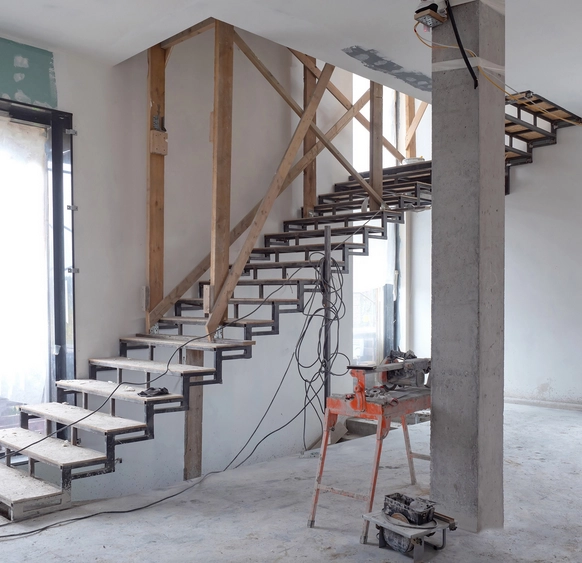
(381, 409)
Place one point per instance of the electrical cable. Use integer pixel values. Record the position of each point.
(307, 402)
(168, 363)
(500, 86)
(460, 43)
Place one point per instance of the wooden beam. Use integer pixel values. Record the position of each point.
(411, 132)
(297, 109)
(155, 177)
(409, 111)
(202, 267)
(188, 33)
(331, 134)
(310, 173)
(376, 134)
(168, 55)
(221, 157)
(342, 99)
(221, 304)
(193, 422)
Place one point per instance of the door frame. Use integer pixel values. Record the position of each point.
(60, 153)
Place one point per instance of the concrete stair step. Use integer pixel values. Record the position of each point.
(52, 451)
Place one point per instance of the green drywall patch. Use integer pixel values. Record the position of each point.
(27, 74)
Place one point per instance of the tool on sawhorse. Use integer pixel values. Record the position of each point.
(382, 404)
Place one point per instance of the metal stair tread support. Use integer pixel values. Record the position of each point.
(319, 233)
(52, 451)
(185, 342)
(291, 265)
(388, 188)
(97, 422)
(317, 247)
(149, 366)
(272, 281)
(204, 320)
(411, 172)
(390, 215)
(16, 486)
(105, 388)
(245, 301)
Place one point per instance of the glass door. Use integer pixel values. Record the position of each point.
(36, 254)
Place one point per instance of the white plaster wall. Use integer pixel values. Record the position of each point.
(544, 274)
(420, 286)
(109, 108)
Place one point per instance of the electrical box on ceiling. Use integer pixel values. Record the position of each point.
(431, 13)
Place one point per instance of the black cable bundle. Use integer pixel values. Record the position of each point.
(460, 44)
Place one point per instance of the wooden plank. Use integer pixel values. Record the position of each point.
(342, 99)
(155, 176)
(411, 132)
(147, 366)
(193, 31)
(198, 321)
(297, 109)
(267, 204)
(105, 389)
(310, 172)
(51, 450)
(16, 486)
(186, 342)
(97, 422)
(409, 111)
(221, 157)
(202, 267)
(376, 135)
(193, 422)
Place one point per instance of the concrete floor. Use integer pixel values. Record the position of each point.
(259, 513)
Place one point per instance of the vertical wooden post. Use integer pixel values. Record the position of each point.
(409, 112)
(310, 173)
(221, 157)
(155, 176)
(193, 423)
(376, 137)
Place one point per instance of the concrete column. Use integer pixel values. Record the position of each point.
(468, 222)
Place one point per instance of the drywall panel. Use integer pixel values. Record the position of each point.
(27, 74)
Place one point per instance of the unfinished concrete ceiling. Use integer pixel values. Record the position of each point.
(360, 36)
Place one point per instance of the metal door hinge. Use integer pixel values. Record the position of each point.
(72, 208)
(72, 270)
(70, 132)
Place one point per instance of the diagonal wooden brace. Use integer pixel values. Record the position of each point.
(342, 99)
(297, 109)
(221, 303)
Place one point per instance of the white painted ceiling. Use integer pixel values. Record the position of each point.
(539, 52)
